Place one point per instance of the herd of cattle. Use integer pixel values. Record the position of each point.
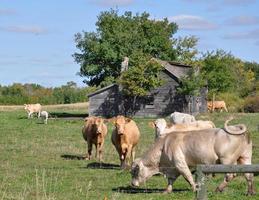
(179, 146)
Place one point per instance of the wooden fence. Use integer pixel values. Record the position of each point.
(201, 170)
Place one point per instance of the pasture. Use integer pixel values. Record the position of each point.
(39, 161)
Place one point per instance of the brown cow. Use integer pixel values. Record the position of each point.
(173, 154)
(125, 137)
(217, 105)
(94, 132)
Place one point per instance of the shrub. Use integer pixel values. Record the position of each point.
(251, 104)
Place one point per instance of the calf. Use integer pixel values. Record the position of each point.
(32, 108)
(94, 132)
(125, 137)
(44, 115)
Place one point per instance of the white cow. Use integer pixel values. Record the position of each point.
(173, 154)
(32, 108)
(162, 128)
(181, 118)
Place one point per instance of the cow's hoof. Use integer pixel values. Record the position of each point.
(250, 193)
(218, 189)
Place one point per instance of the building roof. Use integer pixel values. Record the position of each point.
(176, 69)
(102, 89)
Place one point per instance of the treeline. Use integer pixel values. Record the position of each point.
(227, 78)
(18, 94)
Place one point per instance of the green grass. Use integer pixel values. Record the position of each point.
(40, 161)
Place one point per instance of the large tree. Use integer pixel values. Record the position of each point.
(117, 36)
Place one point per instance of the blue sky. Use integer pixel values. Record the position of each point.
(37, 37)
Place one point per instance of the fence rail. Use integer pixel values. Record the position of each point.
(201, 170)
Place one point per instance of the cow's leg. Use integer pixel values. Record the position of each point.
(89, 145)
(225, 108)
(245, 159)
(133, 154)
(30, 115)
(97, 151)
(39, 114)
(129, 155)
(173, 176)
(228, 177)
(184, 170)
(100, 151)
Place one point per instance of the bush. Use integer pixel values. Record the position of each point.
(251, 104)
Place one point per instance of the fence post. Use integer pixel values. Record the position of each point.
(200, 179)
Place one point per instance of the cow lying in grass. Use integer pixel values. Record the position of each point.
(173, 154)
(181, 118)
(94, 132)
(32, 108)
(162, 128)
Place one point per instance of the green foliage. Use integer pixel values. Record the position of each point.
(225, 73)
(254, 67)
(119, 36)
(18, 94)
(217, 70)
(139, 79)
(192, 83)
(185, 49)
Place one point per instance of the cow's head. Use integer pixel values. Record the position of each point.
(98, 125)
(159, 125)
(26, 106)
(139, 172)
(120, 122)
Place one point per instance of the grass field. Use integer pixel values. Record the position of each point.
(40, 161)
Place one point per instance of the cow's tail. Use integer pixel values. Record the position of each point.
(239, 128)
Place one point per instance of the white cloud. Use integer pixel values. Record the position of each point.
(113, 2)
(243, 20)
(191, 22)
(24, 29)
(254, 34)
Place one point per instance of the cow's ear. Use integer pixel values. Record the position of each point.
(151, 124)
(128, 120)
(86, 119)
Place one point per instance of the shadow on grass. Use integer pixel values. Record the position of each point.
(133, 190)
(72, 157)
(97, 165)
(68, 115)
